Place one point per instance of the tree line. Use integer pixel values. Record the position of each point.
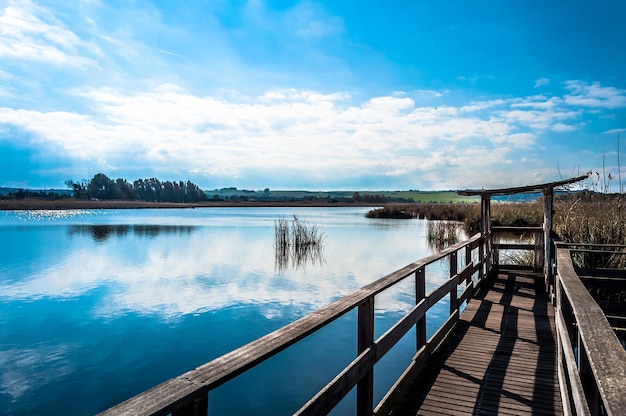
(150, 190)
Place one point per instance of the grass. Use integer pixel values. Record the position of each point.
(442, 234)
(451, 212)
(297, 241)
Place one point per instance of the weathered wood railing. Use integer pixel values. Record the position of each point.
(187, 394)
(532, 241)
(592, 362)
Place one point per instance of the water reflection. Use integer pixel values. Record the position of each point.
(88, 308)
(298, 241)
(298, 257)
(442, 234)
(101, 232)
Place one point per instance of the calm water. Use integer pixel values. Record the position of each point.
(99, 305)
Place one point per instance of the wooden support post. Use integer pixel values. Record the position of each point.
(454, 290)
(468, 255)
(485, 225)
(453, 263)
(587, 380)
(538, 258)
(420, 293)
(365, 387)
(548, 193)
(199, 407)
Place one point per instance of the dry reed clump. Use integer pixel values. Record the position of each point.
(297, 241)
(517, 214)
(451, 212)
(593, 219)
(442, 234)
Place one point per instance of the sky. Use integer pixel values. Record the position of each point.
(312, 95)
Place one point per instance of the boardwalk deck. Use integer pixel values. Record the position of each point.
(501, 359)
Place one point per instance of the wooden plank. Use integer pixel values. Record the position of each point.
(324, 401)
(435, 341)
(515, 230)
(499, 360)
(520, 189)
(365, 339)
(386, 341)
(570, 369)
(513, 246)
(607, 359)
(439, 293)
(395, 394)
(603, 282)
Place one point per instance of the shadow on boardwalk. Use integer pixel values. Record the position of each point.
(501, 359)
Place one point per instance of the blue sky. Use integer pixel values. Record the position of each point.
(327, 95)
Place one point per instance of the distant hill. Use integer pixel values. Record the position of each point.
(267, 194)
(232, 194)
(4, 191)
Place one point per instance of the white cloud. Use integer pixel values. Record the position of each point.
(594, 95)
(541, 82)
(31, 33)
(482, 105)
(290, 133)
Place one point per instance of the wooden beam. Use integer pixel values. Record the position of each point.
(520, 189)
(606, 356)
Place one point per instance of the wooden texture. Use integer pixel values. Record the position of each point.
(501, 358)
(521, 189)
(600, 356)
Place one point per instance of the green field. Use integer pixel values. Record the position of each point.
(433, 196)
(294, 195)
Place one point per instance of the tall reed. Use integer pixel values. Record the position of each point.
(297, 241)
(441, 234)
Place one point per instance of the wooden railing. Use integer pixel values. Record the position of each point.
(592, 361)
(187, 394)
(532, 240)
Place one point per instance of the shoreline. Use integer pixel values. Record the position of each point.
(66, 204)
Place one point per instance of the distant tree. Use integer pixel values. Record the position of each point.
(101, 187)
(124, 190)
(150, 189)
(80, 188)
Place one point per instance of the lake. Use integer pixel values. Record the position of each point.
(99, 305)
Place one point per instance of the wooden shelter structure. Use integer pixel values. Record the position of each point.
(547, 189)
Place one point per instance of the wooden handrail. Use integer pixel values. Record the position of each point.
(592, 366)
(536, 245)
(511, 229)
(188, 393)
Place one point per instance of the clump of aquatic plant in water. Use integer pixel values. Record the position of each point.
(297, 241)
(441, 234)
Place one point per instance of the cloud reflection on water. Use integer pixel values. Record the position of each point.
(190, 269)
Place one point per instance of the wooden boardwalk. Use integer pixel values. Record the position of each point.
(501, 359)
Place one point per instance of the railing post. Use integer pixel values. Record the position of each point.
(481, 255)
(420, 293)
(453, 291)
(365, 387)
(587, 380)
(548, 193)
(485, 201)
(538, 257)
(199, 407)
